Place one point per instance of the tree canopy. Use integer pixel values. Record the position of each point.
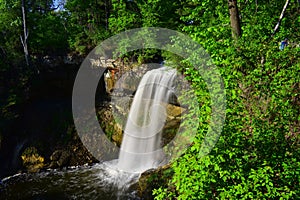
(258, 154)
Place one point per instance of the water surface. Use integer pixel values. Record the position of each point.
(99, 182)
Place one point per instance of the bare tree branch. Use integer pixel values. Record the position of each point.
(256, 6)
(25, 32)
(281, 16)
(25, 37)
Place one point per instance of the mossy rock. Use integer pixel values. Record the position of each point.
(152, 179)
(32, 161)
(109, 124)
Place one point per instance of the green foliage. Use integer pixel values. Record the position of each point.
(257, 155)
(10, 27)
(135, 14)
(46, 30)
(86, 23)
(49, 35)
(30, 151)
(125, 15)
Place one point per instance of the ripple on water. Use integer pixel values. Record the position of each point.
(100, 181)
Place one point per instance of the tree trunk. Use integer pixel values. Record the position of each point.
(234, 19)
(25, 34)
(107, 10)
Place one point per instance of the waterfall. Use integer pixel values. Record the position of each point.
(141, 147)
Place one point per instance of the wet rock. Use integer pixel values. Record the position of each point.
(152, 179)
(174, 111)
(129, 78)
(112, 123)
(118, 134)
(60, 158)
(64, 159)
(55, 155)
(53, 159)
(113, 118)
(79, 155)
(74, 155)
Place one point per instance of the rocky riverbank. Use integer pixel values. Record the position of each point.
(43, 136)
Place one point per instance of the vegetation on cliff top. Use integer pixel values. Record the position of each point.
(257, 155)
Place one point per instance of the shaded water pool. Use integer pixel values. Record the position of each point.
(99, 182)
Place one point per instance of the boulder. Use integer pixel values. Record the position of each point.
(32, 161)
(152, 179)
(60, 158)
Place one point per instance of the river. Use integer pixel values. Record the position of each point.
(97, 182)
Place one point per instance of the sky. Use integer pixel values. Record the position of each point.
(59, 2)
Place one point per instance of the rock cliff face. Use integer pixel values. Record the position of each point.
(43, 135)
(43, 122)
(113, 118)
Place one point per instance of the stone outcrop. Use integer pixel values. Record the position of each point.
(72, 154)
(32, 161)
(113, 116)
(153, 179)
(59, 158)
(129, 78)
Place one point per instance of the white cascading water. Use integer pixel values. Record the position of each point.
(141, 144)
